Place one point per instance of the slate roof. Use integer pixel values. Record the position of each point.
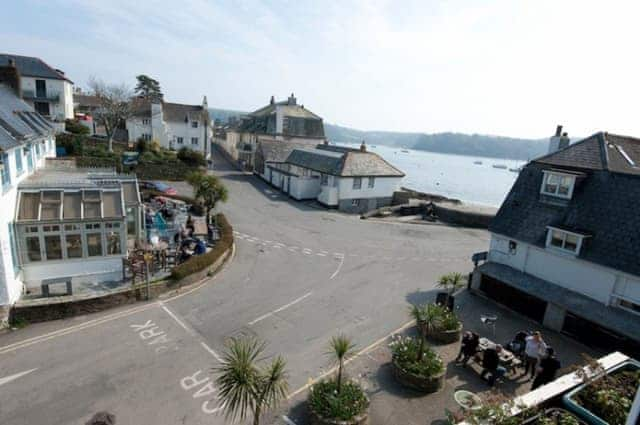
(604, 202)
(343, 164)
(277, 150)
(86, 100)
(177, 112)
(33, 67)
(19, 123)
(298, 111)
(615, 318)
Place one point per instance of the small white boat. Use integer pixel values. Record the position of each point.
(515, 170)
(404, 150)
(477, 162)
(500, 166)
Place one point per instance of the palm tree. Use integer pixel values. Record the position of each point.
(244, 386)
(209, 190)
(342, 348)
(450, 282)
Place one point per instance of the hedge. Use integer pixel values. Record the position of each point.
(201, 262)
(196, 207)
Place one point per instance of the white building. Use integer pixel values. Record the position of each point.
(284, 121)
(173, 125)
(26, 140)
(565, 244)
(43, 87)
(351, 180)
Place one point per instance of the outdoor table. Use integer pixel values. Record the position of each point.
(507, 358)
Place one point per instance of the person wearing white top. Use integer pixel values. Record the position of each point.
(535, 347)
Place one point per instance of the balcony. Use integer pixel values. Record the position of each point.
(41, 97)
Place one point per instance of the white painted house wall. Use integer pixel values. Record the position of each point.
(592, 280)
(137, 127)
(60, 110)
(85, 270)
(10, 277)
(305, 187)
(176, 129)
(383, 188)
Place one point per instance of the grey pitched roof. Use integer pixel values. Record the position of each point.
(321, 161)
(177, 112)
(604, 204)
(348, 163)
(19, 123)
(601, 151)
(278, 150)
(289, 110)
(33, 67)
(86, 100)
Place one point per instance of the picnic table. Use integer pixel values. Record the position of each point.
(507, 359)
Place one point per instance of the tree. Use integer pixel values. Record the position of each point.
(342, 348)
(450, 282)
(115, 106)
(209, 190)
(244, 386)
(423, 318)
(148, 88)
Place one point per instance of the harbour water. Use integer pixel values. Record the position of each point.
(453, 176)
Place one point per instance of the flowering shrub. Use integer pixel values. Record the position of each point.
(325, 400)
(405, 354)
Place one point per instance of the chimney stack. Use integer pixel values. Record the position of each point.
(272, 101)
(558, 141)
(363, 147)
(10, 76)
(292, 100)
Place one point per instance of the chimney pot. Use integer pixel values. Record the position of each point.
(272, 101)
(363, 147)
(558, 130)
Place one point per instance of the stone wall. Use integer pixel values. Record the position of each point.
(462, 217)
(365, 205)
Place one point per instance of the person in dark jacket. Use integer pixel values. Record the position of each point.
(468, 347)
(547, 369)
(491, 364)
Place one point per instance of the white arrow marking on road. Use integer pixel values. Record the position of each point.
(10, 378)
(278, 310)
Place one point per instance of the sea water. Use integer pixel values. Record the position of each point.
(453, 176)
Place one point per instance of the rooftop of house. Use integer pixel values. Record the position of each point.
(278, 150)
(173, 112)
(86, 100)
(602, 206)
(61, 176)
(19, 123)
(289, 107)
(350, 163)
(33, 67)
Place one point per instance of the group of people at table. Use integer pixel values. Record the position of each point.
(529, 351)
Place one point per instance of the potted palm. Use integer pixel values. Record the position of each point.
(336, 401)
(443, 324)
(450, 282)
(416, 365)
(246, 387)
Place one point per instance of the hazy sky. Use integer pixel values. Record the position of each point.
(503, 67)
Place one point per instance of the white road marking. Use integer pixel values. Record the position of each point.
(276, 246)
(10, 378)
(278, 310)
(288, 421)
(320, 254)
(307, 251)
(339, 267)
(178, 321)
(210, 350)
(292, 249)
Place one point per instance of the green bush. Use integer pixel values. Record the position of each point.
(200, 262)
(325, 400)
(73, 144)
(73, 126)
(405, 352)
(191, 157)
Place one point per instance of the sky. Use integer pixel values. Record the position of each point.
(511, 68)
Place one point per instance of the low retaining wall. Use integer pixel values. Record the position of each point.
(462, 218)
(45, 309)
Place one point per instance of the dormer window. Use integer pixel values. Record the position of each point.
(564, 240)
(558, 184)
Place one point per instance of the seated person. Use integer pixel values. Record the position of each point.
(469, 347)
(201, 248)
(491, 364)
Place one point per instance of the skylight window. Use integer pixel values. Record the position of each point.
(558, 184)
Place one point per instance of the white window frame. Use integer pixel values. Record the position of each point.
(618, 300)
(547, 174)
(565, 233)
(371, 183)
(359, 185)
(355, 202)
(194, 124)
(194, 141)
(179, 140)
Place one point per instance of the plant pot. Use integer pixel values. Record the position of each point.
(361, 419)
(446, 337)
(418, 383)
(570, 401)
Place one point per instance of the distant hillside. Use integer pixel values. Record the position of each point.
(455, 143)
